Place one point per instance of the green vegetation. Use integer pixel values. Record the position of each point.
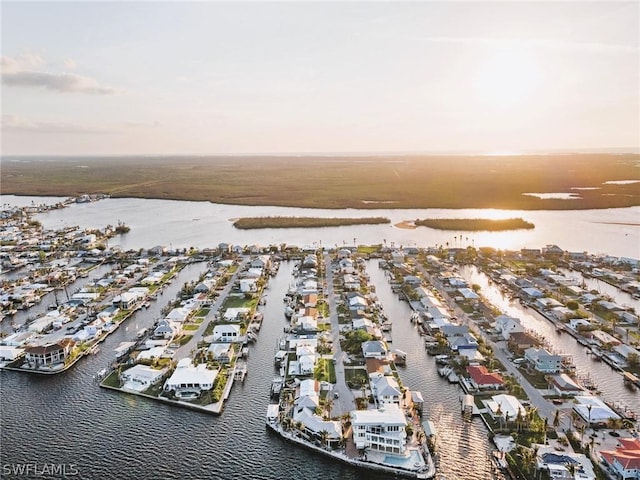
(304, 222)
(353, 341)
(325, 371)
(475, 224)
(394, 181)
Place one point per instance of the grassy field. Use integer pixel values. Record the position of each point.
(475, 224)
(303, 222)
(338, 182)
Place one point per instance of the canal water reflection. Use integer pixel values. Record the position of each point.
(608, 381)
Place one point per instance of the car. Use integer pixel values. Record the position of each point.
(336, 395)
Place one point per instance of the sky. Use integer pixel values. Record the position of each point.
(164, 78)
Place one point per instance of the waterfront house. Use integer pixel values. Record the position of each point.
(108, 313)
(546, 303)
(189, 378)
(306, 324)
(366, 325)
(565, 386)
(357, 301)
(506, 325)
(49, 355)
(374, 349)
(542, 360)
(604, 338)
(624, 461)
(221, 352)
(483, 379)
(520, 341)
(385, 388)
(557, 462)
(166, 329)
(226, 333)
(248, 285)
(9, 354)
(151, 353)
(532, 293)
(140, 377)
(382, 429)
(504, 406)
(593, 410)
(263, 262)
(126, 300)
(236, 314)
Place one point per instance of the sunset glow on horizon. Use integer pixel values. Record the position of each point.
(247, 78)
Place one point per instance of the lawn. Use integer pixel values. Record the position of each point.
(325, 371)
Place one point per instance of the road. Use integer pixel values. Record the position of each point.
(545, 408)
(192, 345)
(346, 399)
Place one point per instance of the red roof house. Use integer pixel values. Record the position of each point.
(624, 460)
(483, 378)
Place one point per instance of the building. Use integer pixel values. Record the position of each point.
(140, 377)
(385, 388)
(556, 463)
(382, 430)
(374, 349)
(49, 355)
(226, 333)
(188, 377)
(593, 410)
(624, 461)
(481, 378)
(543, 361)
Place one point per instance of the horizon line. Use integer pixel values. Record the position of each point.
(492, 153)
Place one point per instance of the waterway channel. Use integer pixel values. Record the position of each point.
(608, 381)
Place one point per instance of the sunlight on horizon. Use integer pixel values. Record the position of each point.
(507, 79)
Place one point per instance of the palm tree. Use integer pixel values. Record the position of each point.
(328, 405)
(324, 437)
(556, 419)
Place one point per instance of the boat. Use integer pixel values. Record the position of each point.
(276, 387)
(273, 410)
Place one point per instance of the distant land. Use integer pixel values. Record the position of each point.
(334, 182)
(248, 223)
(475, 224)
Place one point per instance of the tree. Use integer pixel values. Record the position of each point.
(556, 419)
(324, 437)
(573, 305)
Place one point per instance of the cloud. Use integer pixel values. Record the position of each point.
(591, 47)
(20, 72)
(13, 123)
(70, 64)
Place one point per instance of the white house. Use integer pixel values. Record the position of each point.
(140, 377)
(236, 314)
(221, 352)
(166, 329)
(593, 410)
(382, 430)
(248, 285)
(505, 406)
(186, 377)
(625, 459)
(555, 462)
(507, 325)
(385, 388)
(226, 333)
(374, 349)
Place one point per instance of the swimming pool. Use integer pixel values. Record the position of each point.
(404, 462)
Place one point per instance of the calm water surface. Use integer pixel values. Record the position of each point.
(179, 224)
